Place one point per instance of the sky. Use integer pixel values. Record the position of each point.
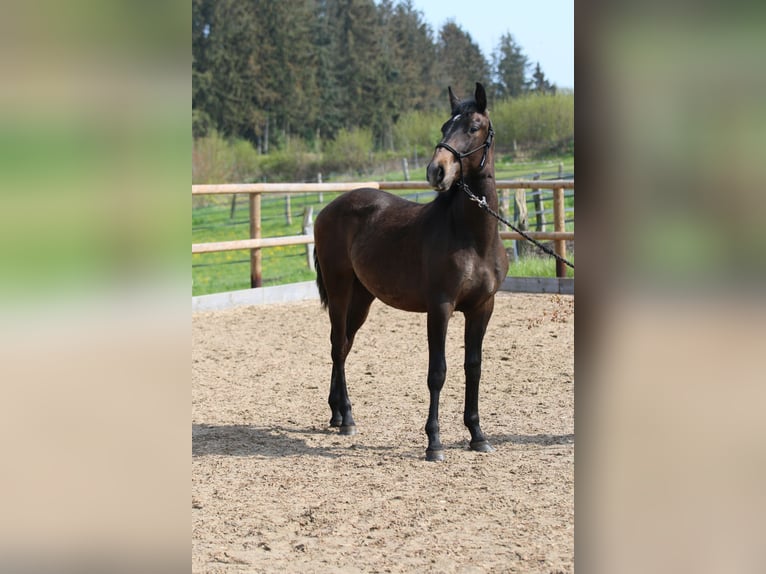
(543, 28)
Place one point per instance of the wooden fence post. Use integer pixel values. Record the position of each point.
(505, 207)
(560, 246)
(255, 233)
(288, 210)
(537, 197)
(308, 229)
(522, 220)
(233, 205)
(405, 169)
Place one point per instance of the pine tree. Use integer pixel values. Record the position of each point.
(225, 54)
(329, 114)
(287, 71)
(201, 74)
(540, 83)
(511, 67)
(356, 60)
(460, 61)
(415, 55)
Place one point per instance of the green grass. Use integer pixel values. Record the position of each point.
(505, 168)
(230, 270)
(537, 267)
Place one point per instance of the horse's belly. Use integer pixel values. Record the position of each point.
(404, 294)
(405, 304)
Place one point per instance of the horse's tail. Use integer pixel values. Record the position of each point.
(320, 281)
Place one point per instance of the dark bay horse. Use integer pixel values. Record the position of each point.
(433, 258)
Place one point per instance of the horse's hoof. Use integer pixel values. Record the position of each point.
(336, 422)
(348, 430)
(435, 455)
(482, 446)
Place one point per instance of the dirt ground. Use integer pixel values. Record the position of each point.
(274, 489)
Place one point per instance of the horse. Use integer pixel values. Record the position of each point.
(433, 258)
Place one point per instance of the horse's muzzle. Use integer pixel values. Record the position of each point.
(442, 171)
(435, 175)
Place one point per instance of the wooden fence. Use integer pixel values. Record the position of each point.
(255, 190)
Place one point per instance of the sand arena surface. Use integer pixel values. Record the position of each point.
(274, 489)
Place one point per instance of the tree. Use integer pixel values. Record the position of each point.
(330, 113)
(357, 61)
(287, 68)
(540, 83)
(511, 67)
(201, 76)
(415, 56)
(226, 65)
(460, 61)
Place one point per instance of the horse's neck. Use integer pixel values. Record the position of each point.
(483, 183)
(484, 186)
(481, 223)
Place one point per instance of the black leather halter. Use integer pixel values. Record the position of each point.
(486, 145)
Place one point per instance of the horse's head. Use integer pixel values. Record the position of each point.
(466, 142)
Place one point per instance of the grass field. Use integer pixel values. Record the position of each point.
(212, 220)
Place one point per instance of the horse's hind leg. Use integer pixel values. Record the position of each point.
(361, 299)
(475, 327)
(347, 315)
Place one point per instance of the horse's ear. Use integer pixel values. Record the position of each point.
(454, 101)
(481, 98)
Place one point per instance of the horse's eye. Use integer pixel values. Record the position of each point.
(473, 129)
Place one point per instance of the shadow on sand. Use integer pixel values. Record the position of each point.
(275, 441)
(278, 441)
(537, 439)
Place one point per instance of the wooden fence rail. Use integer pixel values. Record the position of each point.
(559, 236)
(283, 188)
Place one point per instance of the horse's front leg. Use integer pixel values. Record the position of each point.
(344, 329)
(475, 327)
(438, 318)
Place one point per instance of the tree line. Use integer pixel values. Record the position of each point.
(268, 70)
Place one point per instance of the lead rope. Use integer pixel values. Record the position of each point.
(482, 201)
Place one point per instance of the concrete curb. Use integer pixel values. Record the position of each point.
(259, 296)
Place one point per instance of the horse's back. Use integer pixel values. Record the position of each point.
(360, 204)
(359, 211)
